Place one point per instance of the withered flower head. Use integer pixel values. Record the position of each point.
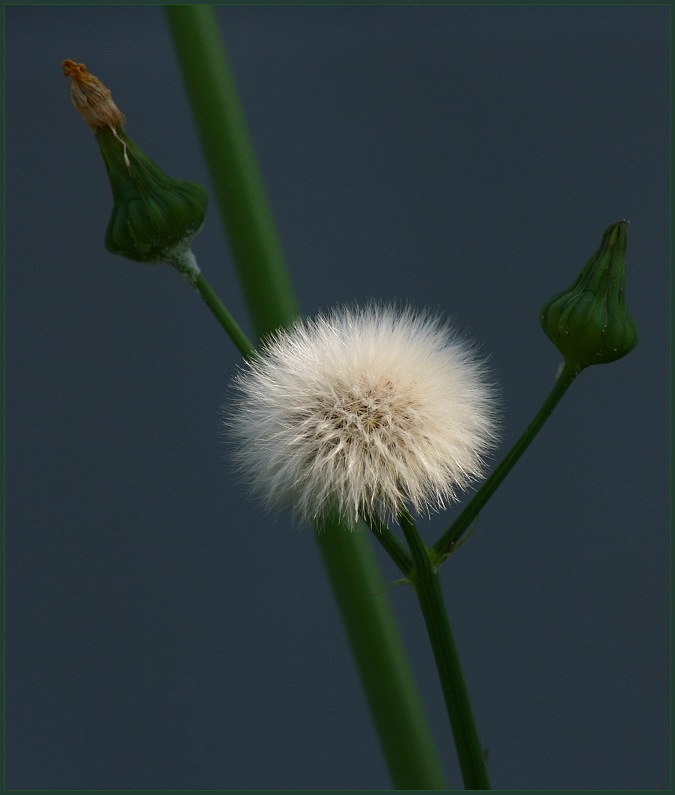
(91, 98)
(154, 216)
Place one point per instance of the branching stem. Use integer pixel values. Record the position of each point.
(448, 541)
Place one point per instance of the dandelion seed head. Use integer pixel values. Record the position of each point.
(362, 410)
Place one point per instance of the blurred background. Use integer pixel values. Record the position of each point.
(162, 632)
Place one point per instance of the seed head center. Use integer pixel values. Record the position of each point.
(362, 414)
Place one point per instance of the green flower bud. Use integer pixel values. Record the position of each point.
(590, 323)
(154, 217)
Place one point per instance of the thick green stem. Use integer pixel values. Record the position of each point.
(449, 539)
(388, 682)
(427, 585)
(358, 587)
(237, 182)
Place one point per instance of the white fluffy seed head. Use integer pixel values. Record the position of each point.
(361, 410)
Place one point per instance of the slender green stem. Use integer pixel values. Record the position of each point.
(358, 587)
(186, 264)
(395, 549)
(449, 539)
(428, 589)
(223, 316)
(237, 182)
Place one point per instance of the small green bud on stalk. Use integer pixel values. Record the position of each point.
(154, 217)
(590, 323)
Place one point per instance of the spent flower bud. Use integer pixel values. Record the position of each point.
(154, 217)
(589, 323)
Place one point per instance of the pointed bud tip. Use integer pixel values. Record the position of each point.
(616, 233)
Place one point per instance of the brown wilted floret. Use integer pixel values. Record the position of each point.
(91, 98)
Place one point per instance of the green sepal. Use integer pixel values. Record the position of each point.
(590, 323)
(153, 216)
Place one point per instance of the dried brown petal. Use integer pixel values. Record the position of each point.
(91, 98)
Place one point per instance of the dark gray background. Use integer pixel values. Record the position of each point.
(162, 632)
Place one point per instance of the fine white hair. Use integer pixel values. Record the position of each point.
(360, 410)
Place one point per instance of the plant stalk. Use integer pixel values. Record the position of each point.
(448, 541)
(209, 296)
(400, 720)
(427, 586)
(394, 548)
